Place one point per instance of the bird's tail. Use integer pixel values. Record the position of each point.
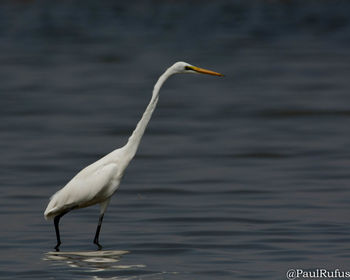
(52, 209)
(50, 213)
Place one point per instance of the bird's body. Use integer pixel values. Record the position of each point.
(96, 183)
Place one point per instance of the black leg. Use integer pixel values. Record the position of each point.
(98, 232)
(56, 222)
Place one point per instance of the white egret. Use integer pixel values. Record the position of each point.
(97, 182)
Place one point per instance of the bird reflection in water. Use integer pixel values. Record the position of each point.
(91, 260)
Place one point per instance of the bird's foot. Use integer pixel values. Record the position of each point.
(57, 247)
(99, 246)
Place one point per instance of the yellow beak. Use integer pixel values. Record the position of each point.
(204, 71)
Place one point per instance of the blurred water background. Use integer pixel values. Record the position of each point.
(241, 177)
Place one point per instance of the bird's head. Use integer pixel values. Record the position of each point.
(183, 67)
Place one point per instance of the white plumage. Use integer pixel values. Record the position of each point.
(94, 184)
(97, 182)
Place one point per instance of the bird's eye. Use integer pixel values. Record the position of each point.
(188, 68)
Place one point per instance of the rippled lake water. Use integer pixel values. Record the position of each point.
(241, 177)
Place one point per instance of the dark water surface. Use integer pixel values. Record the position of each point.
(241, 177)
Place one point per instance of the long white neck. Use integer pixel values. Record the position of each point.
(135, 138)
